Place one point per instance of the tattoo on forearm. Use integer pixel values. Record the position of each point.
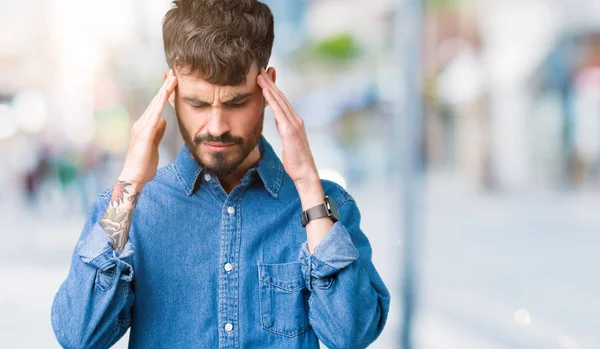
(117, 219)
(134, 198)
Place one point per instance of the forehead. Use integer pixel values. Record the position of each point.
(193, 86)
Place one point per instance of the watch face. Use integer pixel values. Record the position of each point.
(333, 208)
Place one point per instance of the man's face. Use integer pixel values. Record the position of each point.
(220, 124)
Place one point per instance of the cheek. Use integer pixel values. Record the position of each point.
(191, 120)
(246, 119)
(256, 109)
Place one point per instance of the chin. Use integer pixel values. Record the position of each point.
(218, 164)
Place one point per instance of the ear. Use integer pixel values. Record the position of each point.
(172, 96)
(272, 73)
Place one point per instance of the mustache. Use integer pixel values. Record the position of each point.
(226, 138)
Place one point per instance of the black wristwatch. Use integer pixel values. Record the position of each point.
(327, 209)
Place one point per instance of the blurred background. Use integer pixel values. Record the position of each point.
(468, 133)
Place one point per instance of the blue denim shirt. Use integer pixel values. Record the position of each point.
(204, 269)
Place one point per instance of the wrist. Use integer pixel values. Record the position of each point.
(308, 182)
(131, 186)
(131, 182)
(311, 192)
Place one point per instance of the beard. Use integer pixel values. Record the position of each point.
(222, 163)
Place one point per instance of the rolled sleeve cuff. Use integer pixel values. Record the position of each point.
(96, 250)
(333, 253)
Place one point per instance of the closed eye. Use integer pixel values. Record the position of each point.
(237, 105)
(228, 105)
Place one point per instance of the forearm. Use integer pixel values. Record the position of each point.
(347, 293)
(311, 194)
(117, 217)
(350, 310)
(92, 306)
(89, 304)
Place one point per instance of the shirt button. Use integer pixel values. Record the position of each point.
(207, 177)
(228, 327)
(230, 210)
(228, 267)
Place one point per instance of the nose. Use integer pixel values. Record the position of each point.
(217, 125)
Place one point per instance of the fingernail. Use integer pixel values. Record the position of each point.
(171, 72)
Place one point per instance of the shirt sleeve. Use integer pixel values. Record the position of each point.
(92, 308)
(334, 252)
(348, 303)
(96, 250)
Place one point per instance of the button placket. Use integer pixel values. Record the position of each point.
(228, 281)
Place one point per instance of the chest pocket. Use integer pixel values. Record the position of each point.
(283, 299)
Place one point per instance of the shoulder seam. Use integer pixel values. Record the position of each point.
(344, 195)
(346, 198)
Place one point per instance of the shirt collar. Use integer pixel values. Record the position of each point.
(269, 168)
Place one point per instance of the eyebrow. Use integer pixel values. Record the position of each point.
(236, 98)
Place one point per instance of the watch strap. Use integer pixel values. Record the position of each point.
(314, 213)
(327, 209)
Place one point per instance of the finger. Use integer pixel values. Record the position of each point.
(274, 98)
(144, 118)
(163, 96)
(271, 84)
(147, 123)
(284, 126)
(159, 101)
(274, 104)
(277, 94)
(161, 126)
(276, 89)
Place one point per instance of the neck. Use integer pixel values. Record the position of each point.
(233, 180)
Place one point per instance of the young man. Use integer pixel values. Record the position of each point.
(227, 247)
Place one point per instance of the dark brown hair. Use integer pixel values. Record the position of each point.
(218, 40)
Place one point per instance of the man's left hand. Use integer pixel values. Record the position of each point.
(297, 158)
(298, 161)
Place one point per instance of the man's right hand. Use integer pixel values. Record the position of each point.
(147, 132)
(140, 166)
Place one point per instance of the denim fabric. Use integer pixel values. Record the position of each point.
(204, 269)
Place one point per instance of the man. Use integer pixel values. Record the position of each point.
(227, 247)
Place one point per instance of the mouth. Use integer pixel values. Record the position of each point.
(218, 146)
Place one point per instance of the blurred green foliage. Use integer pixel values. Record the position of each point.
(444, 4)
(339, 47)
(333, 53)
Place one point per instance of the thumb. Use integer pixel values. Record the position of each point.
(161, 126)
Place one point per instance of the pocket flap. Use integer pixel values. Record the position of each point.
(287, 276)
